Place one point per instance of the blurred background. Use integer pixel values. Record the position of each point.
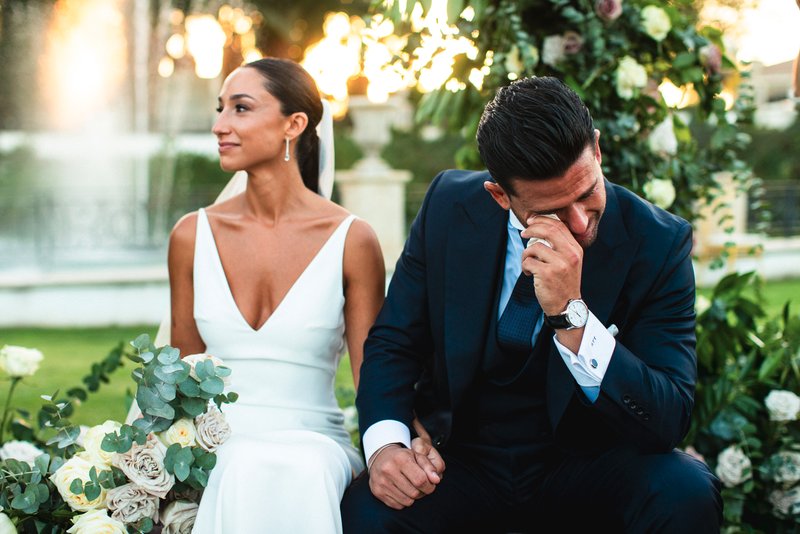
(105, 115)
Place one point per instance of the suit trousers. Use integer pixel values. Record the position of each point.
(619, 490)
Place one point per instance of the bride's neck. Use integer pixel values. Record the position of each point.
(271, 196)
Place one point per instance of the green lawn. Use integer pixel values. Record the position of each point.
(68, 356)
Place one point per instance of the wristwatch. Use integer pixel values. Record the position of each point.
(574, 316)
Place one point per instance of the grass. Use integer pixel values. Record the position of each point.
(68, 356)
(70, 352)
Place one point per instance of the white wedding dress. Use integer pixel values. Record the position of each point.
(289, 459)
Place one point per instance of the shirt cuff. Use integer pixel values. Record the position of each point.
(383, 433)
(590, 364)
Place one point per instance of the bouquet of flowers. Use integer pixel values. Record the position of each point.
(120, 477)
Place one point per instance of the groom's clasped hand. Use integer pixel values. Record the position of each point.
(400, 475)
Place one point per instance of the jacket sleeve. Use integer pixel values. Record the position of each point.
(400, 339)
(647, 392)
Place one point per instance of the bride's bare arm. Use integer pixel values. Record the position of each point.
(180, 261)
(364, 288)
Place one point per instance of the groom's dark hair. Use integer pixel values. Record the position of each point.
(533, 129)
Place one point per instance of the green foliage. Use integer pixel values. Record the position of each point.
(569, 40)
(743, 355)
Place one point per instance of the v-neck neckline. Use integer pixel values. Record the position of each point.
(291, 288)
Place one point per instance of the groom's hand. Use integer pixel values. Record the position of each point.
(423, 444)
(556, 269)
(396, 478)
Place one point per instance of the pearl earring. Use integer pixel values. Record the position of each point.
(286, 156)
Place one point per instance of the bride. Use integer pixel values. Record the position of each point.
(272, 280)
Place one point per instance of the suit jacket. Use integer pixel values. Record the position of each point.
(427, 343)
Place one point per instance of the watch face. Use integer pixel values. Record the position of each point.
(577, 313)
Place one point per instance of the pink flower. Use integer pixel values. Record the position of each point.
(711, 58)
(608, 10)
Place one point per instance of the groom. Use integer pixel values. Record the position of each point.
(540, 324)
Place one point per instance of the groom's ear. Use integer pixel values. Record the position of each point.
(498, 194)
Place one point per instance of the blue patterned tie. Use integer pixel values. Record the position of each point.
(516, 325)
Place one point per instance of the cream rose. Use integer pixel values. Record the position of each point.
(20, 450)
(96, 522)
(662, 140)
(178, 517)
(6, 526)
(181, 432)
(788, 470)
(630, 76)
(733, 466)
(19, 361)
(93, 440)
(655, 22)
(782, 405)
(553, 50)
(144, 466)
(130, 503)
(212, 429)
(785, 503)
(660, 192)
(77, 467)
(194, 359)
(608, 10)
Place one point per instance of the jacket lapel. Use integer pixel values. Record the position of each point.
(474, 259)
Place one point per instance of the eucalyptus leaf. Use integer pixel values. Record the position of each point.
(213, 385)
(141, 342)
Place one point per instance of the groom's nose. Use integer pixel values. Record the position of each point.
(576, 218)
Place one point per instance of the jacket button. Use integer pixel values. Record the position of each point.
(639, 411)
(437, 442)
(626, 399)
(646, 417)
(632, 405)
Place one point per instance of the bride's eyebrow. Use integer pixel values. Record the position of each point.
(237, 96)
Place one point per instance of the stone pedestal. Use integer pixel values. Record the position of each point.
(378, 196)
(372, 190)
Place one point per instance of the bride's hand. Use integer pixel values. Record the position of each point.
(423, 445)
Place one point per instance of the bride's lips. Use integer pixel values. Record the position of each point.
(224, 147)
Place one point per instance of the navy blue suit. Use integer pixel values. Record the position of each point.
(425, 351)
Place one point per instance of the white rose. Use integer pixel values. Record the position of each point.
(6, 526)
(788, 471)
(77, 467)
(785, 503)
(93, 440)
(553, 50)
(733, 466)
(194, 359)
(350, 418)
(181, 432)
(20, 450)
(630, 76)
(655, 22)
(130, 503)
(660, 192)
(96, 522)
(701, 304)
(79, 440)
(178, 517)
(144, 466)
(782, 405)
(212, 429)
(19, 361)
(662, 139)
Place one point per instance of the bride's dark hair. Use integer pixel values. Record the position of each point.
(296, 90)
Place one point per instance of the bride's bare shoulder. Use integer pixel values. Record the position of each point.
(184, 231)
